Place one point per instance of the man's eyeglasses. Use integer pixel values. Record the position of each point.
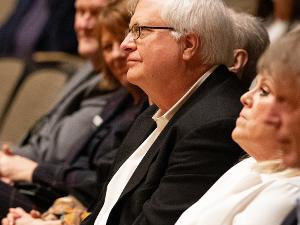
(136, 30)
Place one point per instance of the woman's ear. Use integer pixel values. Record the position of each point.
(240, 60)
(191, 44)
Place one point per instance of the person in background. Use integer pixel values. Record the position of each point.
(56, 134)
(261, 189)
(118, 115)
(181, 144)
(251, 41)
(283, 12)
(281, 16)
(39, 25)
(40, 137)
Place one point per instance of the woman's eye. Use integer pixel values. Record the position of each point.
(107, 47)
(264, 92)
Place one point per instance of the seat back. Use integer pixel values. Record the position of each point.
(7, 6)
(61, 60)
(34, 98)
(11, 70)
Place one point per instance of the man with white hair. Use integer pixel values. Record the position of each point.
(180, 146)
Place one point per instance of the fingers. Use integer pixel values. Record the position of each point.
(6, 180)
(14, 214)
(35, 214)
(4, 221)
(9, 220)
(18, 212)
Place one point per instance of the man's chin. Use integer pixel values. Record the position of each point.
(132, 76)
(87, 52)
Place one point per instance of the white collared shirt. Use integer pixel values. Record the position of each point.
(122, 176)
(246, 196)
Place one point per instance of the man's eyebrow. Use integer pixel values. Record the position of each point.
(131, 25)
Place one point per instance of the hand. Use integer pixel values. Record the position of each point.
(14, 167)
(6, 180)
(11, 217)
(17, 216)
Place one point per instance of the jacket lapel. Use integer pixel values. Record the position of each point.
(140, 130)
(143, 167)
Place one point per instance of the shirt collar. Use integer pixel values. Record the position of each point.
(162, 120)
(270, 170)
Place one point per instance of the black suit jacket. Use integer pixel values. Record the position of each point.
(190, 154)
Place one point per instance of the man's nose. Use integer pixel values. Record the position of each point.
(128, 44)
(87, 21)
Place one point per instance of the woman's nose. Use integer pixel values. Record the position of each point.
(246, 99)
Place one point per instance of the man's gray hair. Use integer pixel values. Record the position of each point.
(209, 19)
(251, 36)
(282, 57)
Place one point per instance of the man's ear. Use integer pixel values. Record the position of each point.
(240, 60)
(191, 44)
